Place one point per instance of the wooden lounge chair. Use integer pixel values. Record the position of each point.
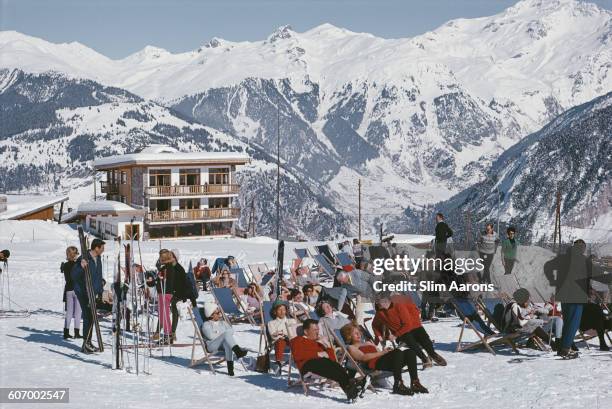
(198, 341)
(306, 380)
(488, 338)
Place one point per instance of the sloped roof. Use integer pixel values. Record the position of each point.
(19, 206)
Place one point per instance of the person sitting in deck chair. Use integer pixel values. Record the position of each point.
(220, 335)
(522, 316)
(315, 355)
(221, 263)
(310, 295)
(252, 297)
(225, 280)
(403, 319)
(297, 306)
(594, 317)
(390, 359)
(277, 328)
(332, 319)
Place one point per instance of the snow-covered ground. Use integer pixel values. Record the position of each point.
(35, 355)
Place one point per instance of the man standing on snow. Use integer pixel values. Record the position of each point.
(443, 233)
(93, 259)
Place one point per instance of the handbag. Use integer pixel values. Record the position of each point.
(263, 363)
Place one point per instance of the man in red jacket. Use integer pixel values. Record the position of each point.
(315, 355)
(402, 318)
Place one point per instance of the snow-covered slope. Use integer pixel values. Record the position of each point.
(572, 154)
(417, 119)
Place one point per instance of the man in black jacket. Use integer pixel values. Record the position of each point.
(443, 233)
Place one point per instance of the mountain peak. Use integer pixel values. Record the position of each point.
(281, 33)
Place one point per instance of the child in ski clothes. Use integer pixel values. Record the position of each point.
(315, 355)
(403, 319)
(277, 328)
(220, 335)
(487, 245)
(522, 316)
(389, 359)
(73, 308)
(509, 246)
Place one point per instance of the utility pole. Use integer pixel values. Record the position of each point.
(94, 183)
(278, 172)
(468, 229)
(252, 218)
(498, 208)
(359, 206)
(557, 233)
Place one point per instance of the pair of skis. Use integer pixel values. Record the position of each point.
(91, 295)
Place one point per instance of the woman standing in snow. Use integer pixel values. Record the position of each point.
(73, 308)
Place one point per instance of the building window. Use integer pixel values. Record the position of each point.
(189, 204)
(92, 224)
(189, 177)
(217, 228)
(159, 205)
(123, 177)
(218, 202)
(159, 177)
(218, 176)
(122, 199)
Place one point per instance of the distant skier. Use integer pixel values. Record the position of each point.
(93, 258)
(443, 233)
(509, 247)
(487, 246)
(73, 308)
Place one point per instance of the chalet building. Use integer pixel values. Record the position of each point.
(31, 207)
(182, 193)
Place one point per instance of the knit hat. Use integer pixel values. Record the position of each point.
(521, 295)
(209, 309)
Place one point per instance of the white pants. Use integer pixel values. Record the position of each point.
(73, 310)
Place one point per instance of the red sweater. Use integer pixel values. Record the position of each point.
(401, 317)
(304, 349)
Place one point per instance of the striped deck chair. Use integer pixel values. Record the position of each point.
(301, 253)
(326, 252)
(198, 341)
(231, 306)
(487, 337)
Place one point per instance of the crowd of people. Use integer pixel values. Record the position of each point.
(313, 322)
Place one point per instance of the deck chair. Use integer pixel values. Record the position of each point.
(241, 278)
(326, 252)
(301, 253)
(226, 299)
(487, 337)
(306, 380)
(345, 356)
(345, 259)
(328, 268)
(258, 271)
(487, 305)
(198, 341)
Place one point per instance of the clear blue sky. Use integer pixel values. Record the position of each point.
(118, 28)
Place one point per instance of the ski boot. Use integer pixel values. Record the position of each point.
(400, 389)
(67, 334)
(416, 387)
(77, 334)
(240, 353)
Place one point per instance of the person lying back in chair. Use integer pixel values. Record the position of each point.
(316, 356)
(389, 359)
(219, 334)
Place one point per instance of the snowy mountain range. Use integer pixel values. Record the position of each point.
(417, 119)
(572, 154)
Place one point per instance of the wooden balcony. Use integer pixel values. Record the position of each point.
(109, 188)
(193, 214)
(192, 190)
